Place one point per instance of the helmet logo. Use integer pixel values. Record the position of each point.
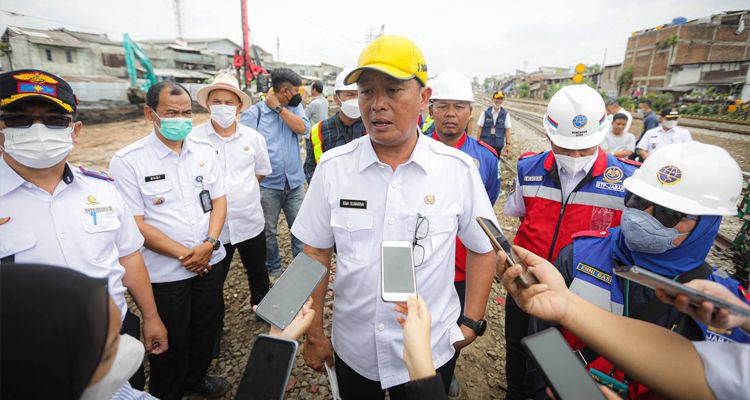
(669, 175)
(613, 175)
(579, 121)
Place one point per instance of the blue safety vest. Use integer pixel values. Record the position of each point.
(498, 139)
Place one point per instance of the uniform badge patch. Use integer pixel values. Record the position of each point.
(613, 175)
(669, 175)
(348, 203)
(158, 200)
(533, 178)
(91, 199)
(201, 163)
(596, 273)
(580, 120)
(476, 162)
(429, 199)
(152, 178)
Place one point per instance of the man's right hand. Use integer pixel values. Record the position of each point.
(317, 352)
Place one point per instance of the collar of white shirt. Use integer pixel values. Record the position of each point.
(211, 131)
(420, 155)
(11, 180)
(162, 150)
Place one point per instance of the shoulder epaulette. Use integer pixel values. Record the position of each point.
(488, 147)
(528, 154)
(629, 161)
(596, 234)
(441, 148)
(95, 174)
(138, 144)
(340, 150)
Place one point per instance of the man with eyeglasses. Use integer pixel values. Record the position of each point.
(451, 107)
(174, 185)
(54, 213)
(674, 207)
(391, 185)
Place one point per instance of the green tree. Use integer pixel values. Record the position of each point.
(625, 80)
(523, 90)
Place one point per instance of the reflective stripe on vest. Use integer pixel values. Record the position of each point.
(316, 137)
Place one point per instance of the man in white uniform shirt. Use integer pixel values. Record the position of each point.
(54, 213)
(380, 187)
(174, 186)
(663, 135)
(243, 157)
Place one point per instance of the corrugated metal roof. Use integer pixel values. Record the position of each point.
(49, 38)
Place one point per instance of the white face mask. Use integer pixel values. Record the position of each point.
(639, 113)
(128, 359)
(223, 115)
(350, 108)
(670, 123)
(38, 146)
(573, 165)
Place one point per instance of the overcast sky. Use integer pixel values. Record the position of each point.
(479, 38)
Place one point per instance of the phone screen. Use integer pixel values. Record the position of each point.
(564, 372)
(268, 368)
(398, 270)
(282, 303)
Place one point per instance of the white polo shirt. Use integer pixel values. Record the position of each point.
(84, 225)
(656, 138)
(164, 188)
(242, 156)
(355, 201)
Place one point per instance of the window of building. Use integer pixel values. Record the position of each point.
(113, 60)
(48, 53)
(69, 56)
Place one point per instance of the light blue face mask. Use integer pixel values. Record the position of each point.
(175, 129)
(644, 233)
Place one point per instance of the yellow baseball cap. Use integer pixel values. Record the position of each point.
(498, 95)
(393, 55)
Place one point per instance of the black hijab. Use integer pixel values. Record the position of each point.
(53, 328)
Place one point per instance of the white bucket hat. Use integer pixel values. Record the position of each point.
(228, 82)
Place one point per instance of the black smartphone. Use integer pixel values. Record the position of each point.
(561, 369)
(672, 288)
(290, 292)
(501, 243)
(268, 369)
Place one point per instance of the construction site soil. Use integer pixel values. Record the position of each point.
(480, 367)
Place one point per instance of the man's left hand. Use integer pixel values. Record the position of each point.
(469, 337)
(155, 336)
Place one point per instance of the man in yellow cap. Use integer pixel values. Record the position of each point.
(390, 186)
(494, 124)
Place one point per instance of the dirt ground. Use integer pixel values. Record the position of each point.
(480, 367)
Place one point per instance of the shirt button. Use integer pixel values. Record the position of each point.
(62, 236)
(349, 225)
(381, 327)
(391, 221)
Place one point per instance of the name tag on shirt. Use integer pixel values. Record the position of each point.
(360, 204)
(156, 178)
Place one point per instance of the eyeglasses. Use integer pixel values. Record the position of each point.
(420, 233)
(54, 121)
(666, 216)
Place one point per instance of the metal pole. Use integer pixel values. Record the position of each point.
(246, 45)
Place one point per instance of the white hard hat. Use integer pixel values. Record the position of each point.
(340, 81)
(576, 118)
(694, 178)
(451, 85)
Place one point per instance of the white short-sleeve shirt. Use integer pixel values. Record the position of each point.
(495, 113)
(84, 225)
(613, 143)
(355, 201)
(656, 138)
(164, 188)
(242, 156)
(727, 368)
(627, 114)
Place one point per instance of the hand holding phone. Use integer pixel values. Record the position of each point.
(500, 243)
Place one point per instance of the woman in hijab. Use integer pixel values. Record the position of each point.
(60, 338)
(673, 209)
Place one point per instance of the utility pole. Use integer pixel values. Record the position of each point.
(278, 54)
(246, 44)
(178, 16)
(601, 74)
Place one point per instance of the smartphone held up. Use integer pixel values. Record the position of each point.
(501, 243)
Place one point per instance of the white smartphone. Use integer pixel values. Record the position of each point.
(397, 278)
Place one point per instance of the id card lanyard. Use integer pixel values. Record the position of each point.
(204, 196)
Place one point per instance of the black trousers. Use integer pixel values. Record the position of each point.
(353, 386)
(191, 311)
(516, 328)
(131, 325)
(253, 256)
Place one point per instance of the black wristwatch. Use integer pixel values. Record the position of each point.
(277, 109)
(477, 326)
(216, 243)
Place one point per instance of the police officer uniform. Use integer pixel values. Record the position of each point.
(164, 188)
(354, 202)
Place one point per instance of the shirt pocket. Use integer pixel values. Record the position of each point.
(101, 234)
(14, 242)
(156, 193)
(352, 232)
(441, 232)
